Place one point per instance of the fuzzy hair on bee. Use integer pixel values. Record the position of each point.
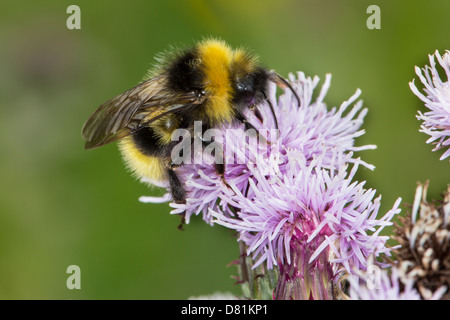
(210, 82)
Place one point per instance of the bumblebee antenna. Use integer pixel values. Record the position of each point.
(283, 83)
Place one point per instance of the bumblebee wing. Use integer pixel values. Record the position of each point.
(123, 114)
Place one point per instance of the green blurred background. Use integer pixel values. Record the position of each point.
(61, 205)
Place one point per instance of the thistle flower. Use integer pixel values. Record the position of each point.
(318, 207)
(311, 129)
(436, 121)
(424, 236)
(315, 220)
(291, 198)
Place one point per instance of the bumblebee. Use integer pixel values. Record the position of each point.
(210, 82)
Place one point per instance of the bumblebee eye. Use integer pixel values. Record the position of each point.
(246, 84)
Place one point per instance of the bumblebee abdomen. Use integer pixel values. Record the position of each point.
(144, 160)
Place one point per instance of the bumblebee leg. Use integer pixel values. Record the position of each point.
(178, 193)
(220, 170)
(240, 117)
(219, 165)
(176, 188)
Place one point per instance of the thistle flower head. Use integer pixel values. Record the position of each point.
(292, 198)
(312, 130)
(306, 205)
(435, 121)
(304, 220)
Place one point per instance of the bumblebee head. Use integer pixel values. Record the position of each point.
(224, 73)
(232, 74)
(249, 87)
